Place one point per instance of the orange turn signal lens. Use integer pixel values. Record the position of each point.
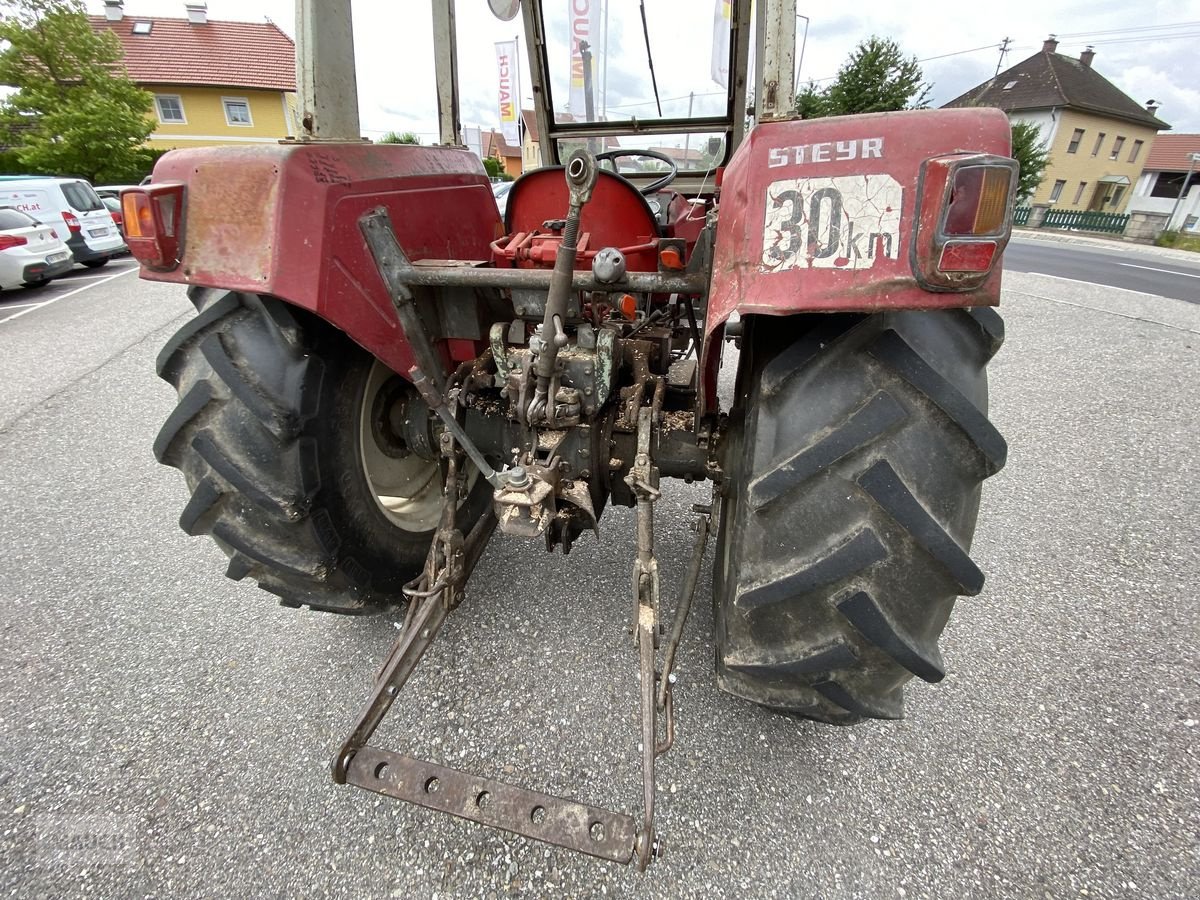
(139, 217)
(978, 200)
(153, 224)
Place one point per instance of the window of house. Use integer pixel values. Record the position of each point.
(1117, 145)
(1099, 142)
(237, 110)
(1009, 86)
(1136, 151)
(1076, 137)
(170, 109)
(1168, 184)
(1056, 192)
(1117, 195)
(142, 27)
(1079, 193)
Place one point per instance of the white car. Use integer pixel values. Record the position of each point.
(30, 253)
(500, 191)
(73, 208)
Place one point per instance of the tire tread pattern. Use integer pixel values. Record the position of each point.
(862, 445)
(237, 437)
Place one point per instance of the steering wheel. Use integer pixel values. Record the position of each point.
(653, 187)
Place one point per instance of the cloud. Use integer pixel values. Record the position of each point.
(395, 54)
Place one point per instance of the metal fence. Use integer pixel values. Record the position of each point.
(1081, 220)
(1021, 215)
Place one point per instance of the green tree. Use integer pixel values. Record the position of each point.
(493, 167)
(877, 77)
(810, 102)
(74, 110)
(393, 137)
(1029, 151)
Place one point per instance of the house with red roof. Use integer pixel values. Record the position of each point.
(495, 146)
(1170, 181)
(213, 82)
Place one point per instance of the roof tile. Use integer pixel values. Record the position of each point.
(1047, 80)
(224, 54)
(1169, 152)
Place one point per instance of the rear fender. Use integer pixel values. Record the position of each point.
(820, 215)
(282, 219)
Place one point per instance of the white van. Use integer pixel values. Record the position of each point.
(71, 206)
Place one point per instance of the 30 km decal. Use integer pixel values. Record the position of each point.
(831, 223)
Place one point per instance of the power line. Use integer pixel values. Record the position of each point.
(1137, 40)
(929, 58)
(666, 100)
(1075, 34)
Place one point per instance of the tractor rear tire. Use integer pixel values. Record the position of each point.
(853, 479)
(273, 433)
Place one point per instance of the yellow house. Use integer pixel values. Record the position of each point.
(213, 82)
(1098, 137)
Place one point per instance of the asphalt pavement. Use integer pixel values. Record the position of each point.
(167, 732)
(1125, 266)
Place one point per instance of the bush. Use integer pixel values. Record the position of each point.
(1179, 241)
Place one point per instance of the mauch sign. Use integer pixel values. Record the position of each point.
(506, 65)
(847, 222)
(585, 25)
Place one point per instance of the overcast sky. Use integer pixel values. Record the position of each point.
(1135, 49)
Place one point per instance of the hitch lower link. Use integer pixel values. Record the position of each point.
(439, 590)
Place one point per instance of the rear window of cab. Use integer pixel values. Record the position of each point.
(81, 196)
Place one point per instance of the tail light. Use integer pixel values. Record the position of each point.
(8, 241)
(73, 225)
(152, 216)
(964, 219)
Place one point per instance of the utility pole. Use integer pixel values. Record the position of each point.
(687, 141)
(1003, 51)
(1194, 158)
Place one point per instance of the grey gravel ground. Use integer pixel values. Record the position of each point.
(177, 726)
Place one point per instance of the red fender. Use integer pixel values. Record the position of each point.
(777, 252)
(282, 219)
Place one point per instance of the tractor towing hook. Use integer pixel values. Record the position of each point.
(614, 836)
(524, 505)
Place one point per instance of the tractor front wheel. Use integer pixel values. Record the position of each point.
(307, 459)
(854, 463)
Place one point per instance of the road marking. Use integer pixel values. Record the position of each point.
(7, 306)
(1152, 269)
(77, 290)
(1098, 284)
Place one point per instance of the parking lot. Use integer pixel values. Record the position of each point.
(181, 724)
(21, 302)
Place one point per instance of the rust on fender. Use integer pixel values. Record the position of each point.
(282, 219)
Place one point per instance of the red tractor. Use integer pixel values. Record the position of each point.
(383, 371)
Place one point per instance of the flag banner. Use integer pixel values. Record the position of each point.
(586, 24)
(510, 112)
(720, 43)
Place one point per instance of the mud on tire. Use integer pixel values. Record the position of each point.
(854, 470)
(267, 433)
